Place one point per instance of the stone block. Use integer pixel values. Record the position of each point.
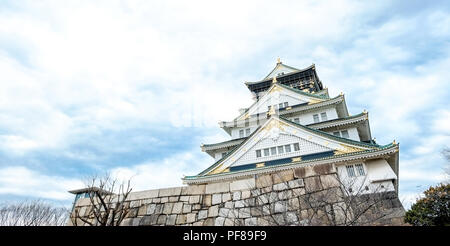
(219, 221)
(196, 206)
(168, 208)
(213, 211)
(262, 199)
(171, 219)
(208, 222)
(217, 188)
(283, 176)
(184, 198)
(148, 220)
(135, 204)
(193, 190)
(132, 213)
(245, 194)
(264, 181)
(143, 195)
(229, 205)
(164, 199)
(162, 219)
(151, 208)
(263, 221)
(156, 200)
(324, 169)
(250, 222)
(243, 184)
(177, 208)
(187, 208)
(296, 183)
(280, 207)
(176, 191)
(239, 204)
(216, 199)
(190, 218)
(312, 184)
(181, 219)
(236, 195)
(298, 192)
(194, 199)
(329, 181)
(280, 187)
(159, 208)
(226, 197)
(293, 204)
(244, 213)
(291, 218)
(142, 210)
(223, 212)
(228, 222)
(173, 198)
(198, 223)
(202, 214)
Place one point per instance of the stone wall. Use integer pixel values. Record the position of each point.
(292, 197)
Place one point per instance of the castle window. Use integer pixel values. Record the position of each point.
(266, 152)
(223, 154)
(337, 134)
(273, 150)
(280, 150)
(297, 120)
(258, 153)
(323, 116)
(247, 131)
(345, 134)
(360, 169)
(316, 118)
(280, 105)
(288, 148)
(296, 147)
(286, 104)
(350, 171)
(241, 133)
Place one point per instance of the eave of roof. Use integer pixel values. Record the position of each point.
(392, 147)
(284, 75)
(326, 124)
(322, 133)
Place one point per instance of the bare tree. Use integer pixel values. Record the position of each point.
(32, 213)
(336, 203)
(446, 154)
(107, 203)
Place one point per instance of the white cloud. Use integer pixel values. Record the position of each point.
(22, 181)
(164, 173)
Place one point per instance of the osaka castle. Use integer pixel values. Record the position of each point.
(293, 123)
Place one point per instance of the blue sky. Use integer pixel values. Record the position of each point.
(134, 87)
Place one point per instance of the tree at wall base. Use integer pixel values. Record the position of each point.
(433, 209)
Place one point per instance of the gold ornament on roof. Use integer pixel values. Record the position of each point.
(278, 60)
(274, 80)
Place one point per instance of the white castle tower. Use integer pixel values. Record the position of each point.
(294, 123)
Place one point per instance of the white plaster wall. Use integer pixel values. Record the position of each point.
(378, 177)
(352, 133)
(274, 98)
(235, 131)
(307, 118)
(306, 147)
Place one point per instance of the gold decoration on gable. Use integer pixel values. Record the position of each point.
(260, 164)
(347, 149)
(296, 159)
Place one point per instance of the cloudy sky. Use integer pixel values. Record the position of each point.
(134, 87)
